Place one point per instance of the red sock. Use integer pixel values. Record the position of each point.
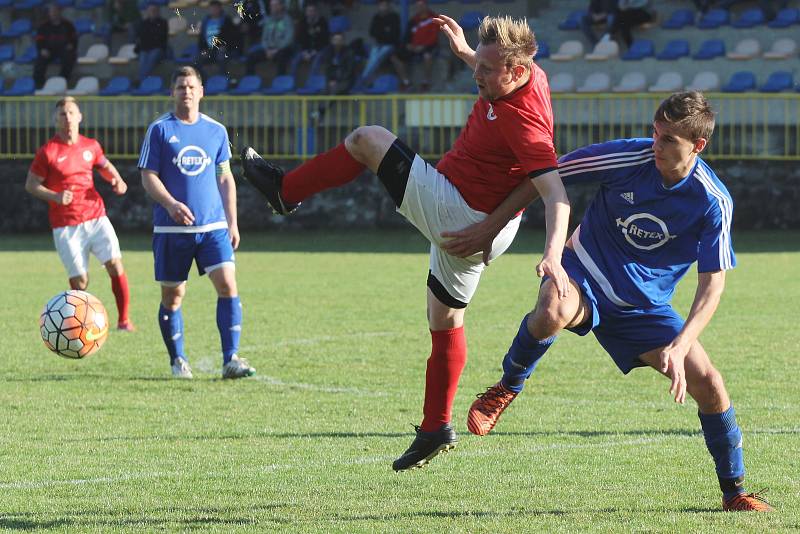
(448, 357)
(333, 168)
(119, 285)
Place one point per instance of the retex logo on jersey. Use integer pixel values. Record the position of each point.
(191, 160)
(645, 231)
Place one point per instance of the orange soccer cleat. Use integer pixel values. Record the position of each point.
(486, 409)
(747, 502)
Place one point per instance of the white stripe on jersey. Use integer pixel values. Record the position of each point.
(219, 225)
(607, 161)
(146, 145)
(594, 270)
(726, 207)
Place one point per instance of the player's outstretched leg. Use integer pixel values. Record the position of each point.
(426, 446)
(267, 179)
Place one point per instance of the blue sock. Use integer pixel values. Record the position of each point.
(522, 357)
(229, 322)
(724, 442)
(171, 324)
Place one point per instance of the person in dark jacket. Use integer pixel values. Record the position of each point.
(312, 36)
(385, 30)
(56, 40)
(218, 39)
(340, 66)
(151, 40)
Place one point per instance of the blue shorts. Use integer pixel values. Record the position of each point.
(174, 253)
(624, 333)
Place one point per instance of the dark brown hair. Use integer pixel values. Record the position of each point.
(689, 111)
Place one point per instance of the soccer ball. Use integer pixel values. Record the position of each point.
(73, 324)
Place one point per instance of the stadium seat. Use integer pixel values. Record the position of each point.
(248, 85)
(84, 26)
(704, 81)
(118, 85)
(543, 51)
(315, 84)
(177, 25)
(710, 49)
(339, 24)
(740, 82)
(383, 84)
(23, 5)
(6, 53)
(667, 82)
(786, 17)
(563, 82)
(471, 20)
(675, 49)
(281, 85)
(215, 85)
(714, 19)
(596, 82)
(27, 57)
(568, 51)
(603, 51)
(679, 19)
(6, 3)
(124, 55)
(18, 28)
(103, 31)
(778, 81)
(88, 5)
(21, 87)
(631, 82)
(745, 49)
(64, 4)
(639, 49)
(95, 54)
(573, 20)
(189, 55)
(88, 85)
(57, 85)
(783, 48)
(150, 86)
(749, 18)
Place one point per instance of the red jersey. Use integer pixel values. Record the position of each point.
(70, 167)
(502, 142)
(423, 30)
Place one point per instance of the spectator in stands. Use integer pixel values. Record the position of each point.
(769, 7)
(56, 40)
(277, 38)
(124, 16)
(151, 40)
(218, 38)
(630, 13)
(340, 65)
(421, 42)
(385, 29)
(252, 14)
(600, 13)
(312, 37)
(703, 5)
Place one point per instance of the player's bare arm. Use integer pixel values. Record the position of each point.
(227, 190)
(111, 175)
(458, 43)
(556, 211)
(154, 187)
(34, 184)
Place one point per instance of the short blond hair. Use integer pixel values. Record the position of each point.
(514, 38)
(66, 100)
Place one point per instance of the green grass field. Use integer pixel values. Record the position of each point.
(335, 324)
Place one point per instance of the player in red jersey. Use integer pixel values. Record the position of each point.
(61, 175)
(502, 158)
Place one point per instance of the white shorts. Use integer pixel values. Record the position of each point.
(74, 243)
(434, 205)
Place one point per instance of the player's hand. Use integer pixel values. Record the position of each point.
(65, 197)
(469, 241)
(671, 360)
(233, 230)
(455, 34)
(119, 187)
(552, 268)
(181, 214)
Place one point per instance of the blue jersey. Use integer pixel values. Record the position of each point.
(638, 237)
(184, 156)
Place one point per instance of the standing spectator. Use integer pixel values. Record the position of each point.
(385, 30)
(56, 40)
(312, 36)
(422, 39)
(252, 13)
(630, 13)
(218, 38)
(61, 175)
(601, 12)
(151, 41)
(277, 39)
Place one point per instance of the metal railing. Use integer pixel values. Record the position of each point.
(749, 126)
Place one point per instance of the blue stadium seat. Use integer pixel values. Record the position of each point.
(215, 85)
(103, 30)
(315, 84)
(675, 49)
(248, 85)
(714, 19)
(6, 3)
(18, 28)
(710, 49)
(471, 1)
(470, 20)
(65, 3)
(27, 57)
(778, 81)
(573, 20)
(544, 50)
(150, 86)
(88, 5)
(339, 24)
(640, 49)
(383, 84)
(84, 25)
(679, 19)
(22, 87)
(22, 5)
(740, 82)
(749, 18)
(281, 85)
(118, 85)
(6, 53)
(189, 55)
(786, 17)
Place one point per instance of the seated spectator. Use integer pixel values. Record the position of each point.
(252, 14)
(421, 42)
(630, 13)
(124, 16)
(218, 39)
(600, 13)
(151, 40)
(277, 37)
(385, 29)
(340, 65)
(312, 37)
(56, 40)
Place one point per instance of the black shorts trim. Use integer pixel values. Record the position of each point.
(442, 295)
(539, 172)
(395, 168)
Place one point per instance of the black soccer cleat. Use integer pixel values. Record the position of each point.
(425, 447)
(267, 178)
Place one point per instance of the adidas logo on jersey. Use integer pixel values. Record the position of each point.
(174, 139)
(628, 197)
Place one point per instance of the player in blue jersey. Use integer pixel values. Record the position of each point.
(659, 209)
(185, 167)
